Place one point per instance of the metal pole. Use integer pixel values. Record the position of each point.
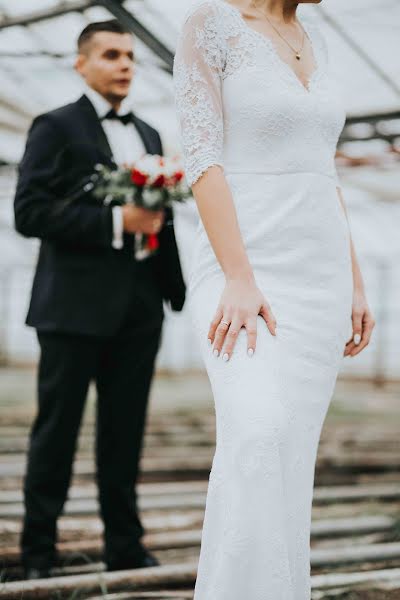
(116, 8)
(48, 13)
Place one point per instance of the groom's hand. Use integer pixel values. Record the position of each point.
(141, 220)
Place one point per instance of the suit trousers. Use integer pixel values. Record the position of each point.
(121, 367)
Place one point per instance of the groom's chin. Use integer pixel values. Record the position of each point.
(119, 96)
(120, 90)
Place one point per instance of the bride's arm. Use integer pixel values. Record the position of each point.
(241, 300)
(198, 69)
(363, 321)
(220, 222)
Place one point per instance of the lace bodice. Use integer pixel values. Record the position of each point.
(242, 107)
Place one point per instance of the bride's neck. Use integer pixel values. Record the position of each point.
(281, 10)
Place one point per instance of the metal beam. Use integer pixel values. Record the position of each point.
(34, 54)
(116, 8)
(374, 136)
(373, 118)
(48, 13)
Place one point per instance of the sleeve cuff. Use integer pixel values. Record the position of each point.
(118, 227)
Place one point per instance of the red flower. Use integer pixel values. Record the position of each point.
(159, 181)
(138, 178)
(152, 241)
(170, 181)
(178, 176)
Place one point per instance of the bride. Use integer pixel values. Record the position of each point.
(275, 290)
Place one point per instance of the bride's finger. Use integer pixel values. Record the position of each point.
(220, 334)
(268, 317)
(356, 341)
(214, 324)
(357, 326)
(251, 329)
(349, 345)
(231, 337)
(366, 336)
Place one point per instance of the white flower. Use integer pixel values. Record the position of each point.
(154, 165)
(150, 197)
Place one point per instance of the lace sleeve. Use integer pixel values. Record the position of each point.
(198, 65)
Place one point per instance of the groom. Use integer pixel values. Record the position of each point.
(98, 311)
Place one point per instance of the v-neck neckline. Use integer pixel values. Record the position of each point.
(268, 41)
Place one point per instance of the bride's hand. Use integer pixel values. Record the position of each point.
(241, 302)
(363, 324)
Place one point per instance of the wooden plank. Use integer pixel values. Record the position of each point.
(93, 548)
(165, 576)
(90, 507)
(347, 555)
(191, 464)
(144, 489)
(92, 526)
(374, 578)
(352, 493)
(113, 581)
(332, 528)
(162, 595)
(185, 501)
(322, 494)
(180, 446)
(327, 528)
(155, 467)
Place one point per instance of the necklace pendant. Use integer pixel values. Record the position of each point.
(298, 56)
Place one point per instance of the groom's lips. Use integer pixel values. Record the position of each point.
(125, 81)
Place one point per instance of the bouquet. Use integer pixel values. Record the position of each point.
(152, 182)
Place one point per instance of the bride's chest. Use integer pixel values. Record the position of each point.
(263, 100)
(257, 81)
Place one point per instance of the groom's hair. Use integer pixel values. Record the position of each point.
(112, 25)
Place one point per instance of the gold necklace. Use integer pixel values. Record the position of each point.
(296, 52)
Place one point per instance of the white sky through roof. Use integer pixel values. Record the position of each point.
(33, 84)
(37, 82)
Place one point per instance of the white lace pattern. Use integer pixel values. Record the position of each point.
(243, 108)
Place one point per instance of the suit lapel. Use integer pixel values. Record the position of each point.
(97, 134)
(143, 134)
(94, 128)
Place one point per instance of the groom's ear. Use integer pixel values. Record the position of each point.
(79, 63)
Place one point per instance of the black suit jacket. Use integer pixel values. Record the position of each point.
(81, 284)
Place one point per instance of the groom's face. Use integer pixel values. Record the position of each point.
(107, 62)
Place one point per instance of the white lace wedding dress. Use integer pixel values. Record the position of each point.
(242, 107)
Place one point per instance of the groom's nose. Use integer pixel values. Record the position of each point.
(126, 64)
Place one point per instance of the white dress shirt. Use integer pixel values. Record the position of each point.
(126, 146)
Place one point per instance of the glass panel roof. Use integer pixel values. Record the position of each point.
(36, 61)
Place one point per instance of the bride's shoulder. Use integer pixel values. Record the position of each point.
(312, 25)
(311, 22)
(202, 9)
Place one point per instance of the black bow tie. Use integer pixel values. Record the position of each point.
(125, 119)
